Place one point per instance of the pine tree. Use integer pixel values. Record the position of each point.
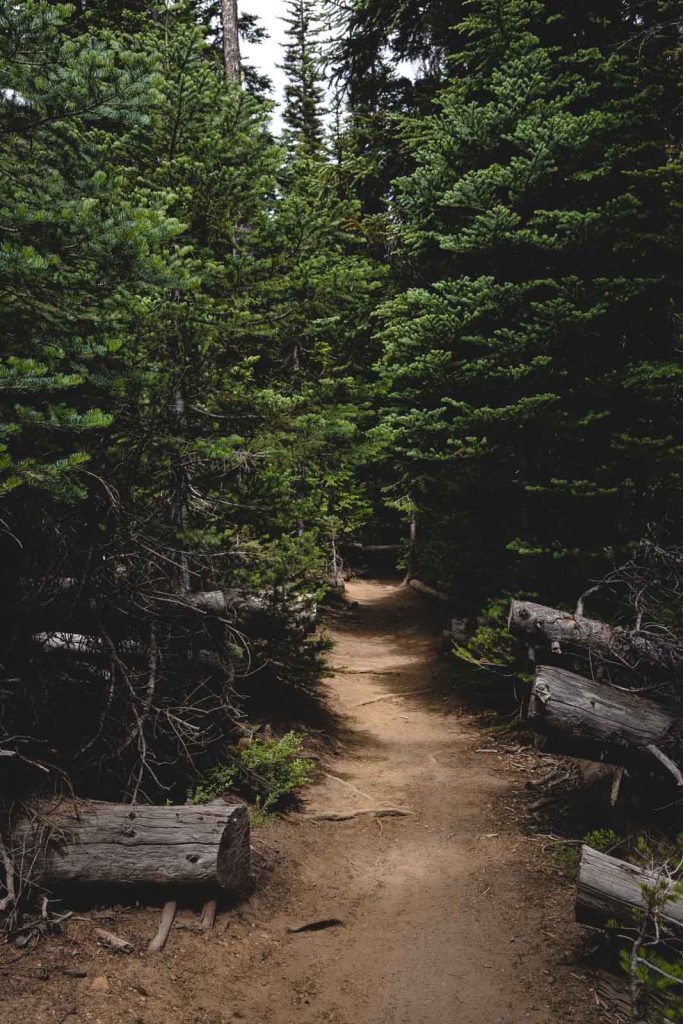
(304, 110)
(75, 245)
(529, 373)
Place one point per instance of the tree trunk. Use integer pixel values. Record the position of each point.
(609, 889)
(135, 844)
(180, 490)
(537, 624)
(597, 721)
(232, 64)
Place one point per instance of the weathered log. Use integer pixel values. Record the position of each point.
(125, 844)
(64, 611)
(370, 549)
(599, 721)
(96, 650)
(427, 591)
(609, 889)
(537, 624)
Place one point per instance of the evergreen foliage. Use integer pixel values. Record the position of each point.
(528, 367)
(198, 394)
(304, 110)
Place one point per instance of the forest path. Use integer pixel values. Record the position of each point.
(447, 919)
(451, 915)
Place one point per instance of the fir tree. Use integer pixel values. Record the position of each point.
(529, 371)
(304, 111)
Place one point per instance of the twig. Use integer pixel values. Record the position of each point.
(167, 917)
(10, 899)
(667, 762)
(393, 696)
(208, 915)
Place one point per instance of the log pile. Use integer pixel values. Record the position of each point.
(597, 720)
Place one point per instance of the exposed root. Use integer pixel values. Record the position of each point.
(369, 812)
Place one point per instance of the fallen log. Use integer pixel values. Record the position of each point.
(537, 624)
(609, 889)
(97, 650)
(600, 722)
(422, 588)
(371, 549)
(256, 615)
(132, 844)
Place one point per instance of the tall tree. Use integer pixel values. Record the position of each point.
(303, 112)
(232, 63)
(530, 370)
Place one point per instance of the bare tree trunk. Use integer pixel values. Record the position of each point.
(180, 490)
(232, 63)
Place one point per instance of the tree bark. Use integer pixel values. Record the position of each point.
(537, 624)
(609, 889)
(135, 844)
(597, 721)
(232, 64)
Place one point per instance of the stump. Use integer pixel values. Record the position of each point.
(132, 844)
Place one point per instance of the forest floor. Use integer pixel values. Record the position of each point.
(449, 915)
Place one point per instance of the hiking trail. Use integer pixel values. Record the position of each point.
(448, 915)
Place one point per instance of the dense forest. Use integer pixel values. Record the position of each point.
(441, 310)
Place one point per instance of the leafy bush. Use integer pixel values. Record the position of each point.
(492, 646)
(604, 839)
(267, 770)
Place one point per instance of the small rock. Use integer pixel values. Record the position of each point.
(100, 984)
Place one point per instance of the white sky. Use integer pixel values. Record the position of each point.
(268, 54)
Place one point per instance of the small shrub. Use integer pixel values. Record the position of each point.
(215, 783)
(492, 646)
(603, 839)
(266, 770)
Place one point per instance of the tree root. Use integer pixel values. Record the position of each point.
(369, 812)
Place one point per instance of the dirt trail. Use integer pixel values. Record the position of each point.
(450, 915)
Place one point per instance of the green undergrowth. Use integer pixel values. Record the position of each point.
(267, 771)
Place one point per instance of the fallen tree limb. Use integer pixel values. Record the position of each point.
(119, 843)
(609, 889)
(538, 624)
(601, 722)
